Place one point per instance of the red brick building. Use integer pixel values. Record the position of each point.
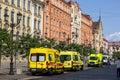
(57, 20)
(86, 30)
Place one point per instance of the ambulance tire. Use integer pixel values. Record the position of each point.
(62, 70)
(81, 68)
(78, 68)
(50, 71)
(33, 73)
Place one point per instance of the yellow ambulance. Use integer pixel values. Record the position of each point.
(95, 59)
(70, 59)
(45, 60)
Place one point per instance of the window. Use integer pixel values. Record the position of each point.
(28, 21)
(5, 12)
(17, 18)
(28, 5)
(75, 58)
(41, 57)
(46, 31)
(33, 57)
(93, 58)
(0, 13)
(46, 6)
(59, 34)
(23, 4)
(34, 23)
(12, 2)
(39, 25)
(35, 8)
(50, 57)
(57, 58)
(12, 16)
(18, 3)
(66, 57)
(37, 57)
(46, 19)
(23, 20)
(39, 11)
(6, 0)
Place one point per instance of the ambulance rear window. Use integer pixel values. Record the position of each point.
(38, 57)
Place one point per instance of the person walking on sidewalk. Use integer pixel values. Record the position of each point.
(117, 62)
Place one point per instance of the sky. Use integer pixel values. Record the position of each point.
(109, 10)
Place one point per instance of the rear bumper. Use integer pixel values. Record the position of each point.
(34, 70)
(93, 64)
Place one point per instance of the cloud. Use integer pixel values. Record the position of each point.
(114, 37)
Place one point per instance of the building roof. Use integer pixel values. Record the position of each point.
(97, 23)
(86, 15)
(114, 43)
(105, 40)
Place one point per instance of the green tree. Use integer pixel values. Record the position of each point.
(61, 46)
(4, 40)
(50, 43)
(116, 55)
(27, 42)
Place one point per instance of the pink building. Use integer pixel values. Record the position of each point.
(105, 46)
(114, 47)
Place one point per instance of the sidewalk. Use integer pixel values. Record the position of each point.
(23, 76)
(20, 71)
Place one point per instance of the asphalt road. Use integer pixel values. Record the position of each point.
(105, 73)
(89, 73)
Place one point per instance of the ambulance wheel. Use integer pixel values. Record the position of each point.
(62, 70)
(81, 68)
(50, 71)
(33, 73)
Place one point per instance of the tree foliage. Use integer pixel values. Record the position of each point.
(26, 42)
(4, 41)
(22, 46)
(116, 55)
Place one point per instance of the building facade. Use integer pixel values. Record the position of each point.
(57, 20)
(76, 23)
(98, 35)
(86, 30)
(32, 16)
(113, 47)
(105, 46)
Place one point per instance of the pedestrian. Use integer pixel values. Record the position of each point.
(117, 62)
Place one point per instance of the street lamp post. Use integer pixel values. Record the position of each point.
(12, 25)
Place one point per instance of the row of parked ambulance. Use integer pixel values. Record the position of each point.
(50, 61)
